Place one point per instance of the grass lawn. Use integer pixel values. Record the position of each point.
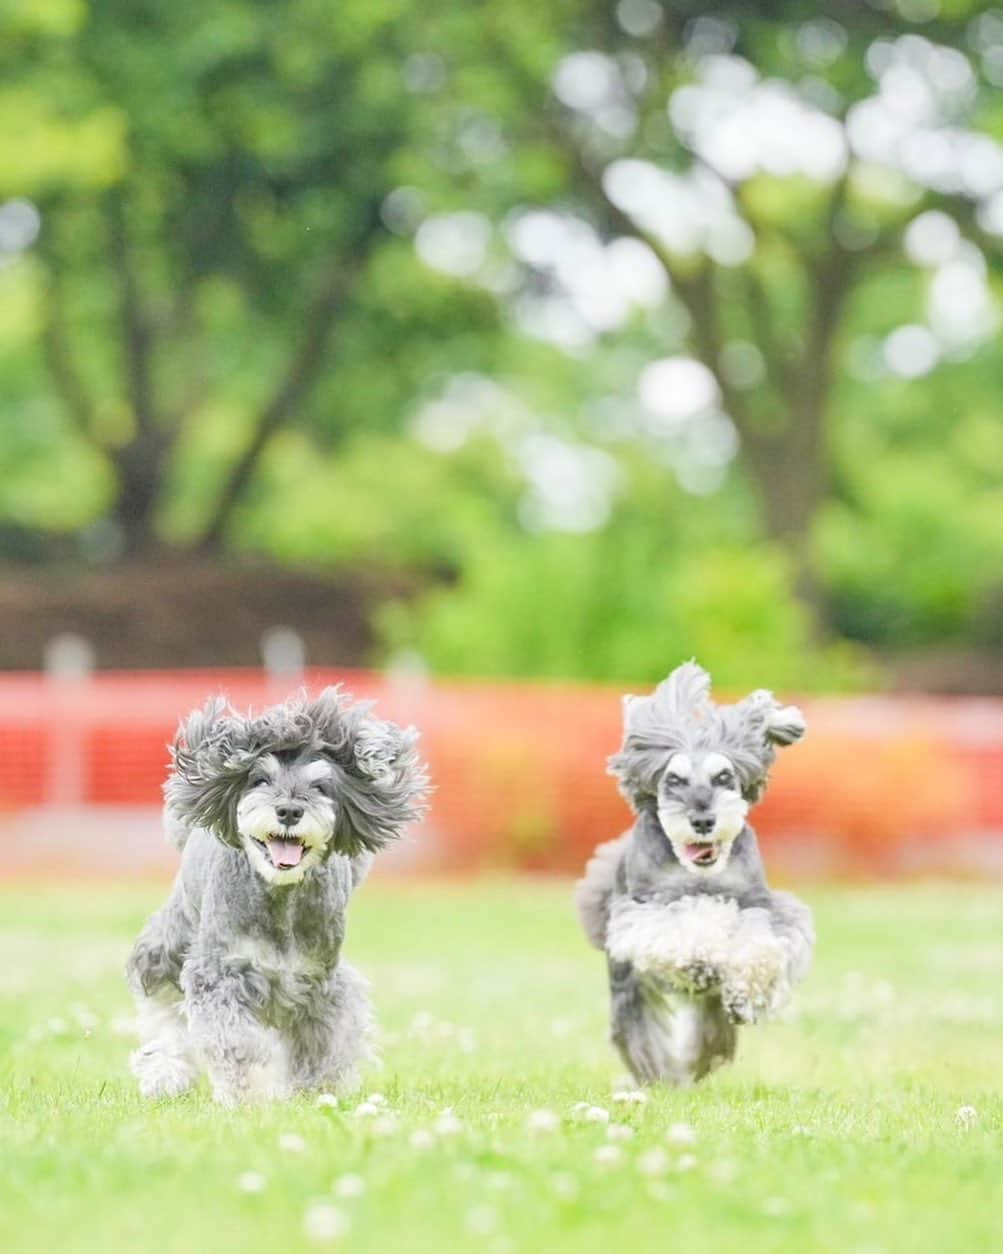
(835, 1131)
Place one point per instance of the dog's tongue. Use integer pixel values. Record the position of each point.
(701, 853)
(285, 853)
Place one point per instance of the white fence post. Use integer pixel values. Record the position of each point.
(69, 665)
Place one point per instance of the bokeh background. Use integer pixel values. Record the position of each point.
(495, 358)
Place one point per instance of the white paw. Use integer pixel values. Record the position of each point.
(696, 975)
(757, 984)
(161, 1074)
(256, 1082)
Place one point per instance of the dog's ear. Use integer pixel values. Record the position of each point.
(381, 783)
(210, 762)
(785, 725)
(754, 729)
(654, 727)
(763, 717)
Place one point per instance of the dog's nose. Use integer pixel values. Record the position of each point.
(289, 814)
(702, 826)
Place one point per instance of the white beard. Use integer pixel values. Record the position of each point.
(731, 814)
(257, 821)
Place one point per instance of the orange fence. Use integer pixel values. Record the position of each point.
(879, 785)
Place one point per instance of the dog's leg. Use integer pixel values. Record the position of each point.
(245, 1058)
(163, 1064)
(792, 921)
(330, 1045)
(663, 1035)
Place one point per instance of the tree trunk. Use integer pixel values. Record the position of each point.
(140, 467)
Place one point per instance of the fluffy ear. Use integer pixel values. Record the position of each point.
(211, 758)
(754, 729)
(654, 727)
(785, 725)
(381, 782)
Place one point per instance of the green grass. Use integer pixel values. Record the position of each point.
(835, 1130)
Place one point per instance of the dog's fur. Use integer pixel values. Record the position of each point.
(696, 941)
(278, 817)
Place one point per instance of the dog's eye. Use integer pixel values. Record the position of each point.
(673, 780)
(258, 781)
(722, 779)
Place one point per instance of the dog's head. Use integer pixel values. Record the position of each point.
(700, 766)
(296, 783)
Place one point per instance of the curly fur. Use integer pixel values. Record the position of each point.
(692, 951)
(680, 716)
(240, 973)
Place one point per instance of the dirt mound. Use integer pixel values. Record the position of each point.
(173, 612)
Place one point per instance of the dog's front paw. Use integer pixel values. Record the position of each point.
(756, 983)
(161, 1074)
(695, 976)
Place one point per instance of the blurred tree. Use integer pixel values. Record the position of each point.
(211, 185)
(653, 284)
(769, 160)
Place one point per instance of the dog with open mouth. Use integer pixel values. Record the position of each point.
(278, 816)
(696, 941)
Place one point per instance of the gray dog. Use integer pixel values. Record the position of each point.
(278, 816)
(696, 942)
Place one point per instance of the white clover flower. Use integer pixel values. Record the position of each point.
(385, 1125)
(447, 1123)
(685, 1162)
(326, 1099)
(653, 1162)
(291, 1143)
(481, 1220)
(376, 1099)
(543, 1120)
(595, 1114)
(251, 1182)
(323, 1222)
(366, 1110)
(724, 1171)
(630, 1097)
(57, 1026)
(619, 1132)
(422, 1138)
(801, 1129)
(966, 1117)
(608, 1155)
(349, 1185)
(564, 1185)
(681, 1134)
(498, 1181)
(775, 1207)
(86, 1020)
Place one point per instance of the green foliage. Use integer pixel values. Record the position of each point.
(216, 245)
(665, 579)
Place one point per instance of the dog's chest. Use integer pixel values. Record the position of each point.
(281, 960)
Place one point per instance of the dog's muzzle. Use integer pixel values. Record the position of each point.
(285, 852)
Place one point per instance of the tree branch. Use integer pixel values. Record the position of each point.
(137, 333)
(301, 374)
(61, 366)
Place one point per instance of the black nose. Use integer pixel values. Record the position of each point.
(702, 826)
(289, 814)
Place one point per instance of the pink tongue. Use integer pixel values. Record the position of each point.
(285, 853)
(699, 853)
